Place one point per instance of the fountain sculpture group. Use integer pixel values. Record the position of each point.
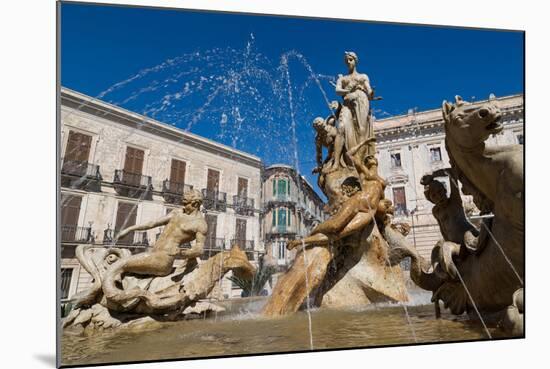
(352, 258)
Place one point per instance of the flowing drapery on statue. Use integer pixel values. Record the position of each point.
(354, 118)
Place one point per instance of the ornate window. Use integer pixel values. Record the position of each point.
(395, 160)
(435, 154)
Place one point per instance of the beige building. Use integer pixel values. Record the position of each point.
(412, 145)
(120, 168)
(291, 208)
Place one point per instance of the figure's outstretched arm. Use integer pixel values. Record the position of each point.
(145, 226)
(318, 239)
(356, 148)
(339, 89)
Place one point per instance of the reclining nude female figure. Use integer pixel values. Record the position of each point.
(365, 201)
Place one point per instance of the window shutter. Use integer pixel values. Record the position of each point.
(213, 180)
(70, 209)
(78, 147)
(177, 171)
(212, 222)
(274, 217)
(133, 163)
(274, 187)
(288, 216)
(242, 187)
(125, 217)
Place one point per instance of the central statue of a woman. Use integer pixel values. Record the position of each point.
(355, 124)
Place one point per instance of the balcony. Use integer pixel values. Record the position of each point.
(75, 234)
(280, 200)
(281, 231)
(133, 185)
(81, 175)
(214, 200)
(132, 239)
(214, 244)
(173, 191)
(243, 205)
(246, 245)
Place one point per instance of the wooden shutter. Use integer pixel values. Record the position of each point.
(399, 198)
(212, 222)
(242, 187)
(78, 147)
(281, 187)
(70, 210)
(240, 231)
(133, 162)
(213, 180)
(274, 217)
(126, 217)
(281, 221)
(289, 216)
(77, 152)
(274, 182)
(177, 171)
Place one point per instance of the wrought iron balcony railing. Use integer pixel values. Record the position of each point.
(132, 184)
(173, 191)
(134, 239)
(212, 243)
(281, 197)
(243, 205)
(214, 200)
(247, 245)
(71, 233)
(80, 174)
(282, 230)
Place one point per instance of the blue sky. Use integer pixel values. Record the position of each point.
(223, 76)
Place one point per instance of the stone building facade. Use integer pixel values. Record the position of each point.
(119, 168)
(411, 145)
(291, 208)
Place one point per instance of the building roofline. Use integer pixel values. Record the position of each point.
(394, 117)
(304, 180)
(90, 104)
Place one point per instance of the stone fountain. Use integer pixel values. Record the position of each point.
(137, 290)
(346, 261)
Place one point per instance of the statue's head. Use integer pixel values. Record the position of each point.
(435, 192)
(350, 186)
(371, 161)
(385, 206)
(351, 59)
(469, 126)
(191, 201)
(318, 123)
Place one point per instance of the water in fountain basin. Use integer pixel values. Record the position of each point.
(244, 331)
